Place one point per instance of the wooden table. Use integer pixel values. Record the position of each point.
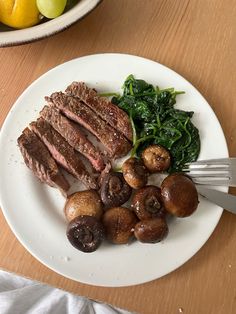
(197, 38)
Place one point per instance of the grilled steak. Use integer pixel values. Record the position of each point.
(39, 160)
(115, 142)
(62, 152)
(74, 136)
(111, 113)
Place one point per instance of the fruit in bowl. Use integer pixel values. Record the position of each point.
(24, 21)
(24, 13)
(19, 13)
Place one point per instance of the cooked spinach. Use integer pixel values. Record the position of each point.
(156, 121)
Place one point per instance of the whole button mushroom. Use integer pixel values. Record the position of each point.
(156, 158)
(83, 203)
(151, 230)
(119, 224)
(179, 195)
(114, 190)
(147, 203)
(135, 173)
(85, 233)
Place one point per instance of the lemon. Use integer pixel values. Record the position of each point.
(19, 13)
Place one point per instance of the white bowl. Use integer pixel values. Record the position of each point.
(10, 37)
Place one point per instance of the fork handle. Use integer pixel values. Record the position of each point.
(222, 199)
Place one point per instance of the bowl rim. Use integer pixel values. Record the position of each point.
(51, 27)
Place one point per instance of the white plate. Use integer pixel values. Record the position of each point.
(35, 211)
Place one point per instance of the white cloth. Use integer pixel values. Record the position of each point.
(19, 295)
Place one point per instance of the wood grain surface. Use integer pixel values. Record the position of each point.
(196, 38)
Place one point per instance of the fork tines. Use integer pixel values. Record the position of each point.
(212, 162)
(213, 171)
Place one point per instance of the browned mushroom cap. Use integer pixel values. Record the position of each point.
(119, 224)
(85, 233)
(114, 190)
(156, 158)
(135, 173)
(179, 195)
(83, 203)
(147, 203)
(151, 230)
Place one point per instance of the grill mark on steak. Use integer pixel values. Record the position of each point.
(74, 136)
(109, 112)
(115, 142)
(62, 152)
(38, 159)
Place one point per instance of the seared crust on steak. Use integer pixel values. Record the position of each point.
(74, 136)
(39, 160)
(115, 142)
(62, 152)
(109, 112)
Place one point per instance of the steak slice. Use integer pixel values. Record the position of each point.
(39, 160)
(109, 112)
(74, 136)
(115, 142)
(62, 152)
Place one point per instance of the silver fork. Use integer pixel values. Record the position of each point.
(213, 171)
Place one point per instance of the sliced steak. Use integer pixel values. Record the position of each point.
(115, 142)
(40, 161)
(109, 112)
(74, 136)
(62, 152)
